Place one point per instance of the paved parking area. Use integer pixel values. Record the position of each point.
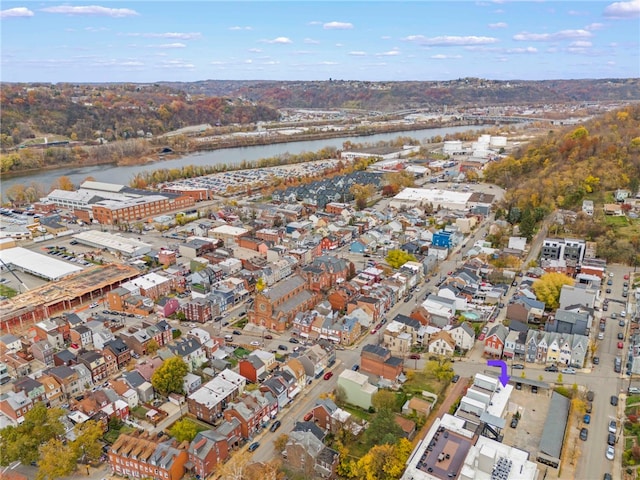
(533, 408)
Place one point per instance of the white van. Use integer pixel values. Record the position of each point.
(228, 338)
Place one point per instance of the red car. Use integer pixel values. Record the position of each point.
(268, 337)
(414, 356)
(620, 345)
(328, 375)
(626, 277)
(481, 337)
(308, 416)
(74, 345)
(374, 331)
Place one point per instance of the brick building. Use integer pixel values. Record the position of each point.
(114, 212)
(379, 361)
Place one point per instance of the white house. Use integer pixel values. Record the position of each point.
(464, 335)
(442, 343)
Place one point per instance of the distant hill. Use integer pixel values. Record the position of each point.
(394, 96)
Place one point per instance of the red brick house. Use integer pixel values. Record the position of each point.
(207, 450)
(379, 361)
(341, 295)
(494, 341)
(328, 243)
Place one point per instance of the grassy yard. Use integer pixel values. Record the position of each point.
(241, 352)
(418, 381)
(139, 412)
(7, 291)
(114, 433)
(632, 400)
(357, 412)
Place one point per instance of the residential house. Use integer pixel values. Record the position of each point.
(208, 402)
(65, 357)
(81, 336)
(566, 321)
(308, 455)
(494, 341)
(32, 388)
(43, 351)
(579, 294)
(167, 306)
(197, 310)
(191, 382)
(379, 361)
(140, 385)
(253, 369)
(120, 350)
(206, 451)
(464, 335)
(278, 389)
(141, 455)
(442, 343)
(15, 405)
(68, 379)
(191, 352)
(10, 343)
(253, 410)
(54, 396)
(96, 364)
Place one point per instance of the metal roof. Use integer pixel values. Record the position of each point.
(41, 265)
(555, 426)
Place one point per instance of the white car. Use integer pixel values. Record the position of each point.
(569, 371)
(255, 343)
(93, 305)
(611, 453)
(623, 313)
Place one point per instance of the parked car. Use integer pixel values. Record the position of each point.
(268, 337)
(584, 433)
(328, 375)
(621, 323)
(514, 422)
(551, 368)
(620, 345)
(587, 419)
(414, 356)
(623, 313)
(614, 400)
(611, 439)
(610, 453)
(283, 347)
(294, 340)
(237, 332)
(255, 343)
(590, 395)
(74, 345)
(613, 427)
(608, 290)
(455, 379)
(355, 368)
(596, 360)
(275, 425)
(518, 366)
(634, 390)
(308, 416)
(569, 371)
(620, 336)
(253, 446)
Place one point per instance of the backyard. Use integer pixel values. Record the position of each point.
(631, 454)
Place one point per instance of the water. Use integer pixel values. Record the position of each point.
(230, 156)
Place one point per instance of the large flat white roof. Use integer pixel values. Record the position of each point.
(128, 246)
(229, 230)
(433, 195)
(38, 264)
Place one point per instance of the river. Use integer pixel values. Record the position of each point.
(230, 156)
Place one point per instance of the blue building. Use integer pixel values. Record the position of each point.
(442, 239)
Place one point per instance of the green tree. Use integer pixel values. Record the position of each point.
(168, 377)
(384, 399)
(22, 442)
(87, 442)
(547, 288)
(183, 430)
(527, 224)
(383, 428)
(56, 460)
(439, 369)
(397, 258)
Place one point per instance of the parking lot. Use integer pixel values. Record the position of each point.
(533, 408)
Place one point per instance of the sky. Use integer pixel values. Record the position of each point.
(148, 41)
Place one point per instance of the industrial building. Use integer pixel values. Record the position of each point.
(128, 247)
(416, 197)
(37, 264)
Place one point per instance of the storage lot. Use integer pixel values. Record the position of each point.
(533, 408)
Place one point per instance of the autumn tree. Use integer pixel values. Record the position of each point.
(183, 430)
(57, 460)
(260, 284)
(439, 369)
(385, 462)
(399, 180)
(397, 258)
(281, 442)
(384, 399)
(40, 425)
(548, 287)
(362, 194)
(88, 443)
(63, 183)
(168, 377)
(383, 428)
(235, 468)
(152, 346)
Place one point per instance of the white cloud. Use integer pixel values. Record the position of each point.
(594, 26)
(451, 40)
(303, 52)
(169, 45)
(337, 26)
(236, 28)
(581, 44)
(315, 22)
(390, 53)
(441, 56)
(326, 62)
(339, 45)
(623, 10)
(522, 50)
(16, 12)
(96, 29)
(577, 13)
(255, 50)
(311, 41)
(91, 10)
(498, 25)
(176, 64)
(168, 35)
(552, 37)
(279, 40)
(357, 53)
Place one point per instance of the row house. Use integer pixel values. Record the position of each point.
(208, 449)
(49, 330)
(197, 310)
(81, 336)
(110, 360)
(525, 310)
(341, 295)
(54, 396)
(43, 351)
(552, 347)
(307, 454)
(278, 270)
(379, 361)
(209, 401)
(278, 389)
(190, 351)
(276, 307)
(252, 409)
(514, 345)
(17, 366)
(10, 343)
(96, 364)
(442, 343)
(120, 351)
(464, 335)
(68, 379)
(143, 455)
(167, 306)
(32, 389)
(495, 340)
(15, 405)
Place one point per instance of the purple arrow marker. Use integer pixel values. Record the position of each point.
(504, 378)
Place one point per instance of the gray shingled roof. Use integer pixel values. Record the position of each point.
(555, 425)
(280, 289)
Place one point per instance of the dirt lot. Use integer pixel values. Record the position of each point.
(533, 408)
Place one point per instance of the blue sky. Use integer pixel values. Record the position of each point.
(145, 41)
